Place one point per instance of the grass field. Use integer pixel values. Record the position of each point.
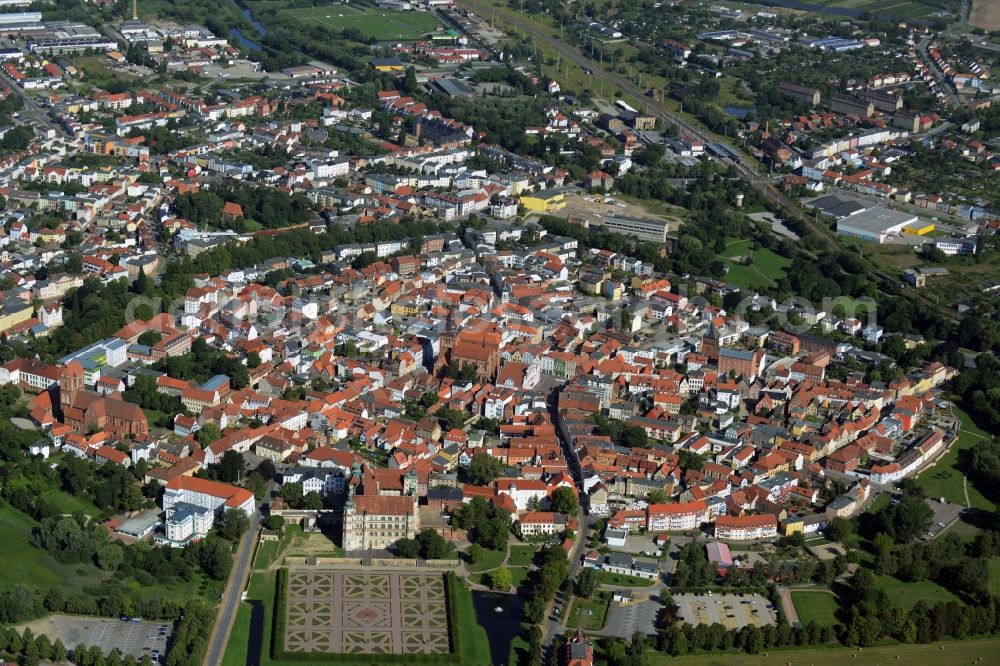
(931, 654)
(766, 269)
(521, 556)
(384, 25)
(23, 563)
(905, 594)
(517, 576)
(491, 560)
(811, 606)
(589, 614)
(944, 478)
(994, 579)
(71, 503)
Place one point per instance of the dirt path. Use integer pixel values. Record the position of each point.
(787, 605)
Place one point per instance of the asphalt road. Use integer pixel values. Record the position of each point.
(763, 185)
(232, 596)
(31, 107)
(945, 86)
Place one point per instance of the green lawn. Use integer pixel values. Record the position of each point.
(765, 270)
(267, 553)
(521, 556)
(158, 419)
(929, 654)
(518, 650)
(517, 576)
(994, 580)
(23, 563)
(71, 503)
(944, 479)
(820, 607)
(491, 560)
(380, 24)
(608, 578)
(589, 614)
(239, 638)
(905, 594)
(736, 247)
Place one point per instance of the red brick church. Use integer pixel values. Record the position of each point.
(85, 411)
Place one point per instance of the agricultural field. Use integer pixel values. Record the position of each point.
(929, 654)
(985, 14)
(815, 606)
(912, 9)
(383, 25)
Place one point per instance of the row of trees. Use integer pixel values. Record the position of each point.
(545, 581)
(31, 649)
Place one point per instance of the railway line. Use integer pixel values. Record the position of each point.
(763, 185)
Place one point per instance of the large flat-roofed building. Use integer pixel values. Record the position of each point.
(875, 225)
(375, 521)
(643, 229)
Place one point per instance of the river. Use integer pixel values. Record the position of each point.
(257, 25)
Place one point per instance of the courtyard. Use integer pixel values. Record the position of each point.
(366, 612)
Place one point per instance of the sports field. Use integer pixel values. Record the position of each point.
(814, 605)
(380, 24)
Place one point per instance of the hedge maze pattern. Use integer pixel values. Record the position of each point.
(357, 612)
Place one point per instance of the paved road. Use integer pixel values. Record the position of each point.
(231, 598)
(938, 75)
(571, 53)
(31, 107)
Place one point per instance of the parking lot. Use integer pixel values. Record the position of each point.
(944, 515)
(732, 610)
(135, 638)
(625, 620)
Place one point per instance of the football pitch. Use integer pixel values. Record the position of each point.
(380, 24)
